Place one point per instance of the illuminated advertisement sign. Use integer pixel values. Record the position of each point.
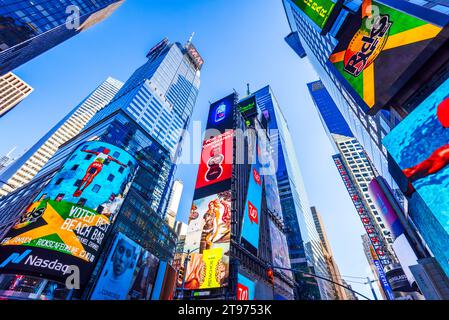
(128, 274)
(419, 146)
(384, 207)
(209, 236)
(248, 109)
(380, 50)
(67, 222)
(381, 275)
(221, 114)
(279, 249)
(216, 160)
(317, 10)
(251, 220)
(245, 288)
(196, 57)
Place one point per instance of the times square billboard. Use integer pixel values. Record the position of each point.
(381, 47)
(68, 221)
(209, 227)
(318, 11)
(420, 151)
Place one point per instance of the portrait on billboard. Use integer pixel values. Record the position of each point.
(144, 276)
(70, 217)
(379, 49)
(208, 236)
(279, 248)
(118, 271)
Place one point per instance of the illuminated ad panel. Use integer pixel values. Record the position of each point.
(380, 50)
(216, 160)
(128, 274)
(389, 216)
(245, 288)
(279, 249)
(67, 222)
(253, 204)
(419, 146)
(381, 275)
(209, 236)
(317, 10)
(221, 114)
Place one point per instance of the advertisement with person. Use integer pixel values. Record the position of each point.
(67, 222)
(279, 248)
(419, 146)
(246, 288)
(251, 220)
(208, 237)
(379, 50)
(129, 272)
(216, 160)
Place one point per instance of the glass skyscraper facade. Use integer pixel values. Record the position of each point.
(29, 28)
(302, 237)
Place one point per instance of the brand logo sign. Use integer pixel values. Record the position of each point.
(366, 45)
(15, 258)
(253, 213)
(242, 292)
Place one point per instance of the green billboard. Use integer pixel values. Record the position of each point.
(317, 10)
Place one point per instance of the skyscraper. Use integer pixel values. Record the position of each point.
(111, 178)
(173, 203)
(302, 237)
(28, 29)
(30, 163)
(6, 160)
(338, 292)
(12, 91)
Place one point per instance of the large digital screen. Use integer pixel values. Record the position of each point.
(253, 204)
(221, 114)
(128, 274)
(317, 10)
(216, 160)
(68, 221)
(279, 248)
(208, 237)
(419, 146)
(379, 50)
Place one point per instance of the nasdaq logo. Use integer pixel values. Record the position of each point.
(15, 258)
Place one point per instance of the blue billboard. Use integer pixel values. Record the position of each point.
(419, 146)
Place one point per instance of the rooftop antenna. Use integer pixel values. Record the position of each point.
(189, 42)
(248, 91)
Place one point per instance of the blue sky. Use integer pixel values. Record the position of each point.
(241, 42)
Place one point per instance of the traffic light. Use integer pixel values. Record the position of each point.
(270, 275)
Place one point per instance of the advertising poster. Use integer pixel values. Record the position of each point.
(384, 207)
(379, 50)
(250, 224)
(317, 10)
(208, 237)
(246, 288)
(67, 222)
(221, 114)
(128, 274)
(279, 249)
(216, 160)
(419, 146)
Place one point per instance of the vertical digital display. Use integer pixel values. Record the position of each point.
(317, 10)
(245, 288)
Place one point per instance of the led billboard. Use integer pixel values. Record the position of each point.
(216, 160)
(128, 274)
(221, 114)
(68, 221)
(317, 10)
(279, 248)
(209, 236)
(250, 224)
(246, 288)
(419, 146)
(379, 50)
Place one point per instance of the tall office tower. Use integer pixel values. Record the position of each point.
(30, 163)
(12, 91)
(351, 295)
(7, 159)
(28, 29)
(181, 233)
(339, 293)
(303, 240)
(101, 190)
(236, 235)
(173, 203)
(160, 96)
